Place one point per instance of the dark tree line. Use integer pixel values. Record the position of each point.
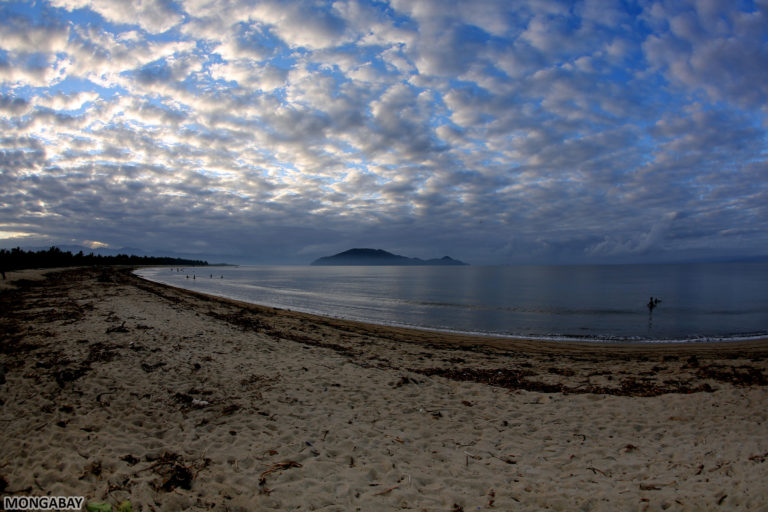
(17, 259)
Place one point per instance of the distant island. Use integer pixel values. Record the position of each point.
(380, 257)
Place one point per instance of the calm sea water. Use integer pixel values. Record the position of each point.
(699, 301)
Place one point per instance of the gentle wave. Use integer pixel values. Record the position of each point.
(521, 309)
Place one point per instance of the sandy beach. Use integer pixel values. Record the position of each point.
(115, 388)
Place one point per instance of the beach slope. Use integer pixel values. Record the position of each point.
(116, 389)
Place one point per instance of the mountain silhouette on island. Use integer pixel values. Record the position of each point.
(380, 257)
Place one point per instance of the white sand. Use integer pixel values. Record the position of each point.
(283, 421)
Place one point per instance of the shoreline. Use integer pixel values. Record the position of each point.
(118, 388)
(604, 340)
(510, 342)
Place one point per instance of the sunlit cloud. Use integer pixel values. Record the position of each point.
(94, 244)
(14, 235)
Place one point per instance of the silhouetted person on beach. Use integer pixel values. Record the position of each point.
(653, 303)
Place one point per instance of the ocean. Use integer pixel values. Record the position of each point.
(699, 302)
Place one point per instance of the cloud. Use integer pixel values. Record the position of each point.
(19, 157)
(491, 131)
(154, 16)
(714, 47)
(62, 101)
(31, 47)
(248, 41)
(14, 106)
(301, 24)
(641, 243)
(24, 35)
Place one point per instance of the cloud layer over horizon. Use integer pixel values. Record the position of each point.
(496, 132)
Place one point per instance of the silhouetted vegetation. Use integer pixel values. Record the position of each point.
(17, 259)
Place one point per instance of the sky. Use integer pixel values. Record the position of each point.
(493, 131)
